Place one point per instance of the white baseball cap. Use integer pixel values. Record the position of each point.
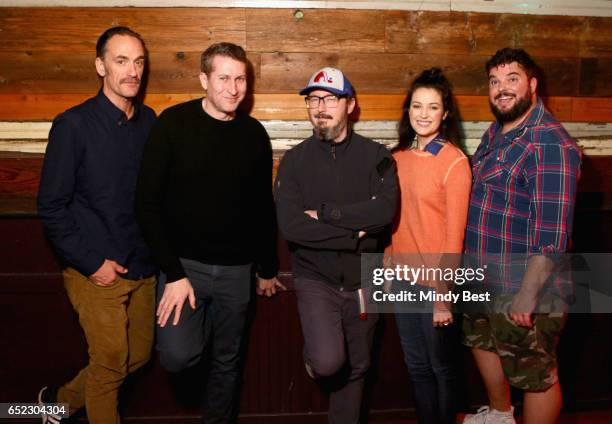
(329, 79)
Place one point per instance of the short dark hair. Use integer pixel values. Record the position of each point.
(508, 55)
(110, 33)
(231, 50)
(449, 129)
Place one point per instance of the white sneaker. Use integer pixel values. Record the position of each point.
(309, 370)
(485, 415)
(48, 396)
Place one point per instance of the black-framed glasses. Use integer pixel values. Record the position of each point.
(330, 101)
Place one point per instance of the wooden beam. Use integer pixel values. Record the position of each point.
(317, 30)
(44, 107)
(76, 30)
(482, 33)
(523, 7)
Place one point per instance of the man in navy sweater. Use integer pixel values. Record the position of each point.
(86, 200)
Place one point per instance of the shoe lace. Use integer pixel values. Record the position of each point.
(483, 410)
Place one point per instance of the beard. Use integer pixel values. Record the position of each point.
(521, 106)
(323, 132)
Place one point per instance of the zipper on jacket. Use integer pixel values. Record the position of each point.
(333, 150)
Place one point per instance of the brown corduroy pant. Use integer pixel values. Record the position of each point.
(118, 322)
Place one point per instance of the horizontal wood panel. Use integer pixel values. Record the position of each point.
(57, 72)
(529, 7)
(595, 77)
(33, 107)
(72, 30)
(20, 175)
(392, 73)
(270, 30)
(588, 109)
(596, 38)
(483, 33)
(318, 30)
(381, 51)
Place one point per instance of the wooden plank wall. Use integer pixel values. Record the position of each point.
(46, 55)
(46, 66)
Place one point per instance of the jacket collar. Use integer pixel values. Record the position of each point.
(341, 145)
(112, 112)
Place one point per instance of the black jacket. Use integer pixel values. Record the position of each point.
(86, 194)
(353, 187)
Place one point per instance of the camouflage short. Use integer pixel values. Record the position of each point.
(528, 355)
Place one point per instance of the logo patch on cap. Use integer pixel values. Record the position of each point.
(323, 77)
(329, 79)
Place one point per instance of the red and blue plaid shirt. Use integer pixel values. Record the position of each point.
(523, 192)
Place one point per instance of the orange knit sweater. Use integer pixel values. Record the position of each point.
(435, 191)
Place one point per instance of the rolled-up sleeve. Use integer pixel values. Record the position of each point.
(552, 177)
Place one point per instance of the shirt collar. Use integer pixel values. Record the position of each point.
(113, 113)
(435, 145)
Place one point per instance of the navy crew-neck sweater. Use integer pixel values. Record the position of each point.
(205, 191)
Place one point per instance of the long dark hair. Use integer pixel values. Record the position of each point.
(449, 128)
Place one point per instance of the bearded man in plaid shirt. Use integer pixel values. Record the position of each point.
(525, 174)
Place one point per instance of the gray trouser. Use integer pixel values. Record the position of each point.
(222, 297)
(333, 332)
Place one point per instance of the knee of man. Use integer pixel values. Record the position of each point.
(137, 361)
(175, 361)
(110, 359)
(326, 366)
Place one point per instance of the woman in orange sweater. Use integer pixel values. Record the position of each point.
(435, 179)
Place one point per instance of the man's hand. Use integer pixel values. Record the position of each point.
(388, 286)
(313, 214)
(268, 287)
(106, 275)
(174, 297)
(522, 308)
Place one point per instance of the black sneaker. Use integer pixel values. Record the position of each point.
(48, 395)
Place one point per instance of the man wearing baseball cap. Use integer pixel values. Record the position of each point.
(336, 194)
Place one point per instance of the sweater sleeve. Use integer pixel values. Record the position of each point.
(266, 258)
(57, 187)
(374, 214)
(295, 225)
(150, 198)
(457, 185)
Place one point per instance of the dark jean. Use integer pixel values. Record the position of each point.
(337, 344)
(430, 356)
(222, 298)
